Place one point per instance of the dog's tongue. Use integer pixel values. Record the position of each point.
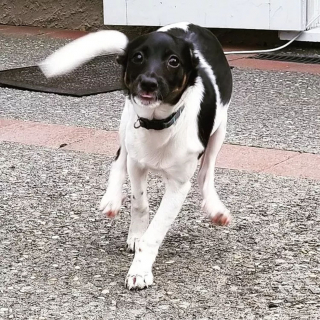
(146, 96)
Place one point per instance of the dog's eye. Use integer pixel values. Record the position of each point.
(137, 58)
(173, 62)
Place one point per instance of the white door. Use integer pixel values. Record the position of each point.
(313, 10)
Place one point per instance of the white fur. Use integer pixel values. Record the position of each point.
(220, 117)
(139, 204)
(83, 49)
(180, 25)
(204, 64)
(212, 204)
(158, 150)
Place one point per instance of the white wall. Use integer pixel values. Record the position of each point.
(240, 14)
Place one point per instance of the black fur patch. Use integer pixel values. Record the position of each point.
(200, 155)
(117, 154)
(212, 51)
(155, 51)
(207, 109)
(210, 48)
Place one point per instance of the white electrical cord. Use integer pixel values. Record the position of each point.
(275, 49)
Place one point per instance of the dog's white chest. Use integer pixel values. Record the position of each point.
(164, 149)
(157, 150)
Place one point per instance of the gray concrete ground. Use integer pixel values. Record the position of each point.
(60, 259)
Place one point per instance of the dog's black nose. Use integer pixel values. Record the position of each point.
(148, 84)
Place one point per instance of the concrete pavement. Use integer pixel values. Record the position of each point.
(62, 260)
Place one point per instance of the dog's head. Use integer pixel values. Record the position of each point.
(158, 67)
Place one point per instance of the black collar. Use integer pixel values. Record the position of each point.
(156, 124)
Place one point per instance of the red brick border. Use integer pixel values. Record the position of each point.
(36, 31)
(251, 159)
(245, 63)
(58, 136)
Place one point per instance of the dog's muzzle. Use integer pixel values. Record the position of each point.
(148, 84)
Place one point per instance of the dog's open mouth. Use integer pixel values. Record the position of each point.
(147, 98)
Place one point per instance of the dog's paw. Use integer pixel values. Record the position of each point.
(140, 273)
(217, 212)
(110, 204)
(139, 279)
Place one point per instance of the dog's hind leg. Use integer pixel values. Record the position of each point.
(139, 203)
(212, 205)
(111, 201)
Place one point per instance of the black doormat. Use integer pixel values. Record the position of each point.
(288, 58)
(102, 74)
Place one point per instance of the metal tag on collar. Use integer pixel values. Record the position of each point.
(137, 124)
(140, 123)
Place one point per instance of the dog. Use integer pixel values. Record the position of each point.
(179, 86)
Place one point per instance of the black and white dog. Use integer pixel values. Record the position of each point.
(179, 88)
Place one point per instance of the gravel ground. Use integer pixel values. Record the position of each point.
(275, 110)
(62, 260)
(23, 51)
(269, 109)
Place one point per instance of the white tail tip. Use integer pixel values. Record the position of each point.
(77, 52)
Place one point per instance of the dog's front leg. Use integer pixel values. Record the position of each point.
(140, 272)
(139, 203)
(111, 201)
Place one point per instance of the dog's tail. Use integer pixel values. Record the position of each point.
(82, 50)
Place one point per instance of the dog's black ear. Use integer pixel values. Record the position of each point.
(122, 59)
(194, 59)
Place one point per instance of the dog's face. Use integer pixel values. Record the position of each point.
(157, 69)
